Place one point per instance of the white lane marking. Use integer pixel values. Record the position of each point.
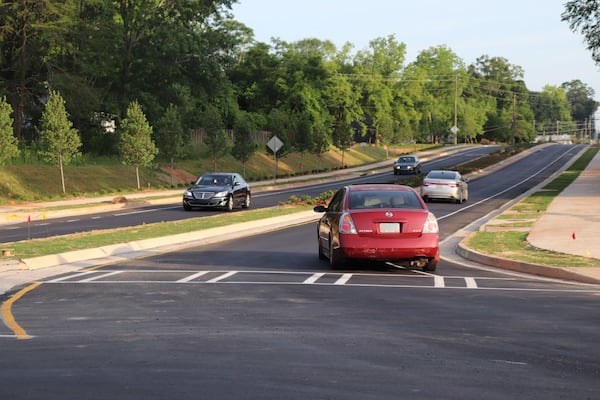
(93, 278)
(192, 277)
(438, 281)
(64, 278)
(343, 279)
(96, 217)
(313, 278)
(221, 277)
(138, 212)
(510, 362)
(43, 224)
(470, 282)
(73, 220)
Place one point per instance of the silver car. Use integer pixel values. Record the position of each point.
(448, 185)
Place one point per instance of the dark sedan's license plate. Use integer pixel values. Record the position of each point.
(389, 227)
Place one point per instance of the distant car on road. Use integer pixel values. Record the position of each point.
(383, 222)
(407, 165)
(224, 190)
(448, 185)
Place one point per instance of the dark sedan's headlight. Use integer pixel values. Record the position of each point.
(187, 193)
(221, 194)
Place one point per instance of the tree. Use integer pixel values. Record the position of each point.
(581, 100)
(136, 145)
(8, 142)
(582, 16)
(59, 142)
(170, 135)
(343, 137)
(243, 144)
(215, 137)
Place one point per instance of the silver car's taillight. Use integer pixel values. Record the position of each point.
(431, 225)
(347, 225)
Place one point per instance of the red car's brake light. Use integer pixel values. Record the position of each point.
(347, 225)
(431, 225)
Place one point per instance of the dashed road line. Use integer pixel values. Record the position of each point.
(471, 283)
(221, 277)
(314, 278)
(425, 281)
(192, 277)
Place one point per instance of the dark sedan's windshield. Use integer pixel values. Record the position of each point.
(220, 180)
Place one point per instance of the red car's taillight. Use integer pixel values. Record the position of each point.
(347, 225)
(431, 225)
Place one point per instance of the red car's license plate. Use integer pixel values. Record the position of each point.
(389, 227)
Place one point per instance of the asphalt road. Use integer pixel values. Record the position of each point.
(174, 211)
(263, 318)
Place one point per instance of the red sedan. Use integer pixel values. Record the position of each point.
(382, 222)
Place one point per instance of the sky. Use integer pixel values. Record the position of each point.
(527, 33)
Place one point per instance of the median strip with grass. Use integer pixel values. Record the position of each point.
(99, 238)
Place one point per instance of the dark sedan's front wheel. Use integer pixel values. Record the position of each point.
(229, 204)
(186, 206)
(246, 201)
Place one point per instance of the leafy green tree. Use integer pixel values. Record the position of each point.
(59, 142)
(581, 101)
(32, 34)
(8, 142)
(244, 145)
(215, 137)
(170, 135)
(136, 145)
(343, 137)
(500, 87)
(583, 16)
(550, 106)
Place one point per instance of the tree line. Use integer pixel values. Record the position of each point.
(134, 78)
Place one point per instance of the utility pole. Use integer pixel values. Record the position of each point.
(514, 118)
(455, 127)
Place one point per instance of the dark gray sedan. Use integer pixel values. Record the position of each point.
(223, 190)
(407, 165)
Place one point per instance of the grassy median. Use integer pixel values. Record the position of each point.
(99, 238)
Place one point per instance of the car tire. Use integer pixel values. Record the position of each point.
(187, 207)
(430, 267)
(322, 255)
(246, 201)
(334, 260)
(229, 204)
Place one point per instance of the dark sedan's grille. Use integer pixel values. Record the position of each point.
(203, 195)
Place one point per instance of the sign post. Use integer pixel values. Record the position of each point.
(275, 144)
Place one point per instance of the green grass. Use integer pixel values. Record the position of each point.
(513, 244)
(93, 239)
(92, 178)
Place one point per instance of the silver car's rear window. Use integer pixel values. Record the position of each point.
(442, 175)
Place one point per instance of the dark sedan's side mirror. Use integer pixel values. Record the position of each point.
(193, 182)
(320, 209)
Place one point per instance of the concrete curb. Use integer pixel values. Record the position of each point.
(522, 267)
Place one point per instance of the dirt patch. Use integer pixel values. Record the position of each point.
(179, 176)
